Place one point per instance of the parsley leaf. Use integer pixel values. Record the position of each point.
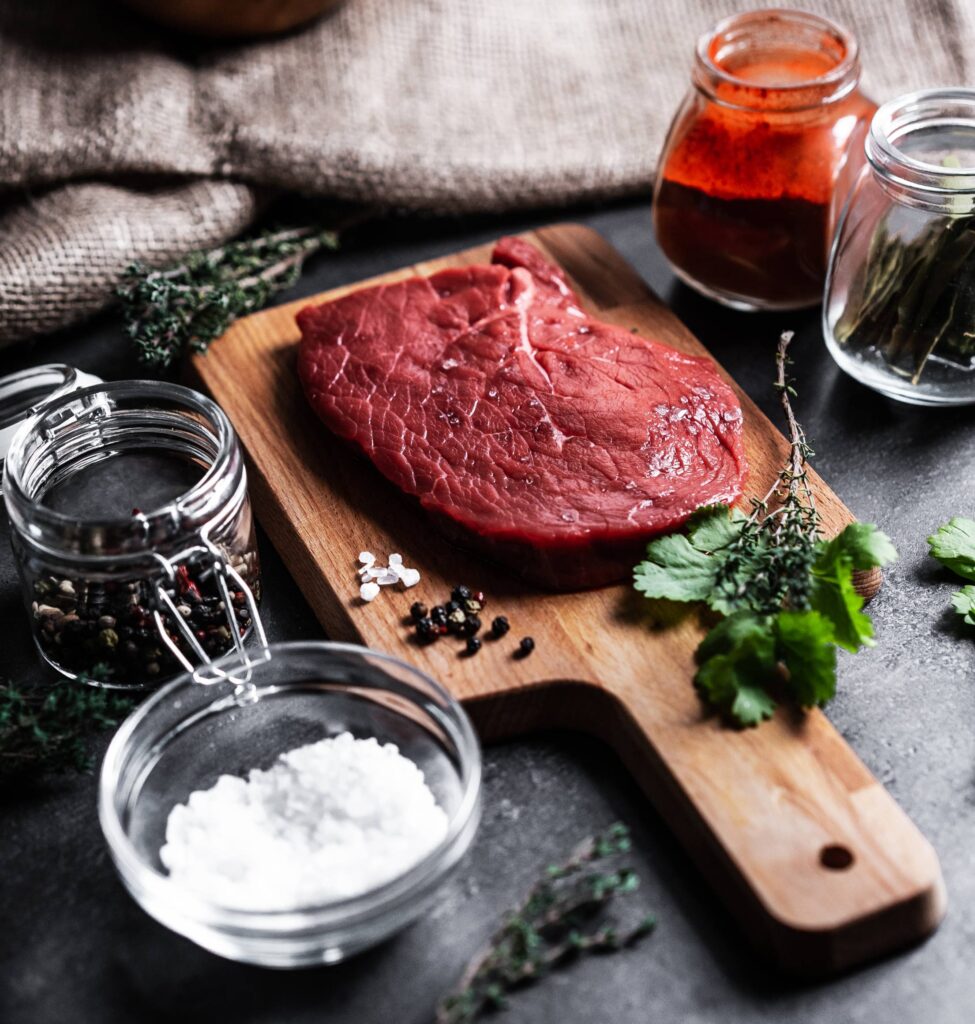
(713, 528)
(736, 659)
(675, 569)
(806, 648)
(865, 546)
(752, 705)
(954, 546)
(964, 603)
(684, 567)
(860, 546)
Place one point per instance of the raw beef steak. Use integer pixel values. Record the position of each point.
(553, 443)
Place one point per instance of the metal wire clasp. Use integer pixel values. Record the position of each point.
(231, 670)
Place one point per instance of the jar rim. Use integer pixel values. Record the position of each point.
(41, 521)
(917, 111)
(828, 87)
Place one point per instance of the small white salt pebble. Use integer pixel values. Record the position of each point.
(369, 591)
(410, 577)
(367, 557)
(387, 579)
(395, 559)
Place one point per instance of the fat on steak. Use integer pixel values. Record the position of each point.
(548, 441)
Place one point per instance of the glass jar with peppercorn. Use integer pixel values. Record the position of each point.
(132, 530)
(771, 128)
(899, 313)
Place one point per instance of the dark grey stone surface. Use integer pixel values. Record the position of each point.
(74, 947)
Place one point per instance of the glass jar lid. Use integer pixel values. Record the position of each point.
(23, 393)
(922, 149)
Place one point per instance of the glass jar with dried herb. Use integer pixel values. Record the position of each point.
(899, 313)
(743, 198)
(132, 530)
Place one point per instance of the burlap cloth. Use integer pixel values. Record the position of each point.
(118, 141)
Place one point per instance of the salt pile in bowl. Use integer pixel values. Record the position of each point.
(326, 822)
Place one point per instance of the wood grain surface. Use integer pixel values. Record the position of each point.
(812, 855)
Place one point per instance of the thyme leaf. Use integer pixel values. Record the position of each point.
(47, 730)
(562, 917)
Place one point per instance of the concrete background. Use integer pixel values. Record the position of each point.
(75, 948)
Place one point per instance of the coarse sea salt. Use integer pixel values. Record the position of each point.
(326, 822)
(373, 576)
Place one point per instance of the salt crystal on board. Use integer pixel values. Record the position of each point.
(373, 576)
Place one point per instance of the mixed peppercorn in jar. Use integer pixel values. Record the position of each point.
(120, 596)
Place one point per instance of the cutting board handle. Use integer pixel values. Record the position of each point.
(814, 857)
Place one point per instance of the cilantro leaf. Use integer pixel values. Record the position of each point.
(805, 645)
(712, 528)
(675, 569)
(832, 593)
(752, 705)
(736, 659)
(964, 603)
(865, 546)
(833, 596)
(954, 546)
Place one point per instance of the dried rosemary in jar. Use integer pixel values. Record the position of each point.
(900, 298)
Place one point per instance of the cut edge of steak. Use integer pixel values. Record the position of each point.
(516, 328)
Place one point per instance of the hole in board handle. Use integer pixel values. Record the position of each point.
(835, 857)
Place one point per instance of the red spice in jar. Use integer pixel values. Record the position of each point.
(764, 141)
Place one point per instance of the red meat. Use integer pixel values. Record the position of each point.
(552, 443)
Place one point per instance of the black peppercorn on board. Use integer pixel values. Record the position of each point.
(814, 858)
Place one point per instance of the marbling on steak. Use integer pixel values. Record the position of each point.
(555, 444)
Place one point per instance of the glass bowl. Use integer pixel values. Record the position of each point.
(189, 733)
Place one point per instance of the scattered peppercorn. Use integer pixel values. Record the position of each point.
(456, 620)
(500, 626)
(525, 646)
(460, 617)
(425, 629)
(469, 626)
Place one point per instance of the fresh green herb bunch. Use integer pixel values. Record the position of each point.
(47, 730)
(787, 594)
(563, 916)
(954, 547)
(191, 304)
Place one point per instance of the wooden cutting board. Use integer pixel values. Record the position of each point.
(815, 859)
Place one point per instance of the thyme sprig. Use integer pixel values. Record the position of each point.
(563, 916)
(47, 730)
(769, 562)
(189, 305)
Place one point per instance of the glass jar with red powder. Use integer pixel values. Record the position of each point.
(771, 129)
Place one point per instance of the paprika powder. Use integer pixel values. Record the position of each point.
(770, 132)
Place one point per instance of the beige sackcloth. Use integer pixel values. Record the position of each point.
(119, 141)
